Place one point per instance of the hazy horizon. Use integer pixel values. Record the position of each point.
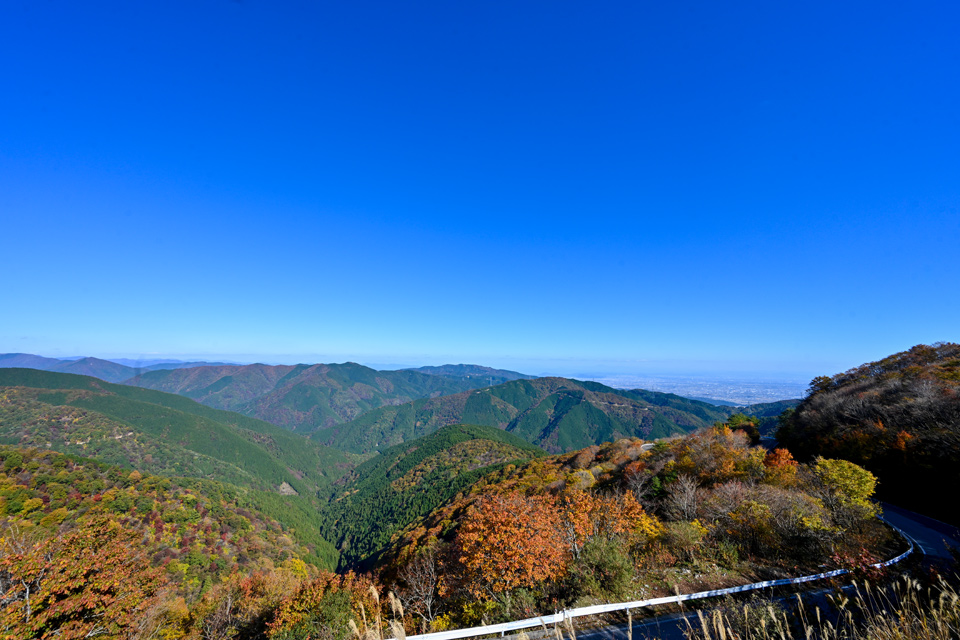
(724, 386)
(567, 367)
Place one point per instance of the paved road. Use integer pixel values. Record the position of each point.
(927, 534)
(931, 536)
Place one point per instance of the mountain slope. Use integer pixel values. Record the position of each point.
(484, 374)
(302, 397)
(232, 530)
(769, 409)
(29, 361)
(157, 432)
(706, 411)
(405, 483)
(103, 369)
(550, 512)
(554, 413)
(899, 417)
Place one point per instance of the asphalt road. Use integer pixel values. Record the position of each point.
(929, 536)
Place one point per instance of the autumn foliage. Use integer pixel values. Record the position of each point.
(898, 417)
(92, 580)
(323, 607)
(511, 541)
(617, 521)
(92, 550)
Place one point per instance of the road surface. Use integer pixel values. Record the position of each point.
(931, 536)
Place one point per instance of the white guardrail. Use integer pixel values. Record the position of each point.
(557, 618)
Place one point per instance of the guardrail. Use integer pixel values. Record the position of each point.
(556, 618)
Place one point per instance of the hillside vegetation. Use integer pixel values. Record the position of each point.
(93, 550)
(157, 432)
(614, 522)
(406, 482)
(196, 529)
(302, 397)
(556, 414)
(898, 417)
(103, 369)
(487, 375)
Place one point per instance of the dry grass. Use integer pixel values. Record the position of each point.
(905, 611)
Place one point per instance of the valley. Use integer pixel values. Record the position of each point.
(342, 478)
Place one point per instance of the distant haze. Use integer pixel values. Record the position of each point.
(619, 371)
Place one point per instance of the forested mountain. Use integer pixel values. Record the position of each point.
(303, 397)
(103, 369)
(898, 417)
(109, 370)
(556, 414)
(30, 361)
(157, 432)
(406, 482)
(767, 415)
(768, 409)
(93, 550)
(485, 374)
(707, 412)
(51, 490)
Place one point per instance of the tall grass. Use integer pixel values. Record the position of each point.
(906, 610)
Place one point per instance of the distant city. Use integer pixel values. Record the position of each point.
(728, 391)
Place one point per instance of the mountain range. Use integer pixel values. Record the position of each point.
(304, 397)
(486, 374)
(109, 370)
(557, 414)
(232, 504)
(362, 410)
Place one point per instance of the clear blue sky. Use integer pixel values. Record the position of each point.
(631, 187)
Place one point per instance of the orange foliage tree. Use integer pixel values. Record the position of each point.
(92, 580)
(718, 455)
(511, 541)
(585, 516)
(780, 468)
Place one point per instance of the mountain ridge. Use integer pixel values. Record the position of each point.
(302, 397)
(110, 370)
(494, 376)
(556, 414)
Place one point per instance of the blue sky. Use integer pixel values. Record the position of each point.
(569, 187)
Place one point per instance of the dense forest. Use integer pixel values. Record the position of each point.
(303, 397)
(406, 482)
(556, 414)
(157, 432)
(93, 549)
(898, 417)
